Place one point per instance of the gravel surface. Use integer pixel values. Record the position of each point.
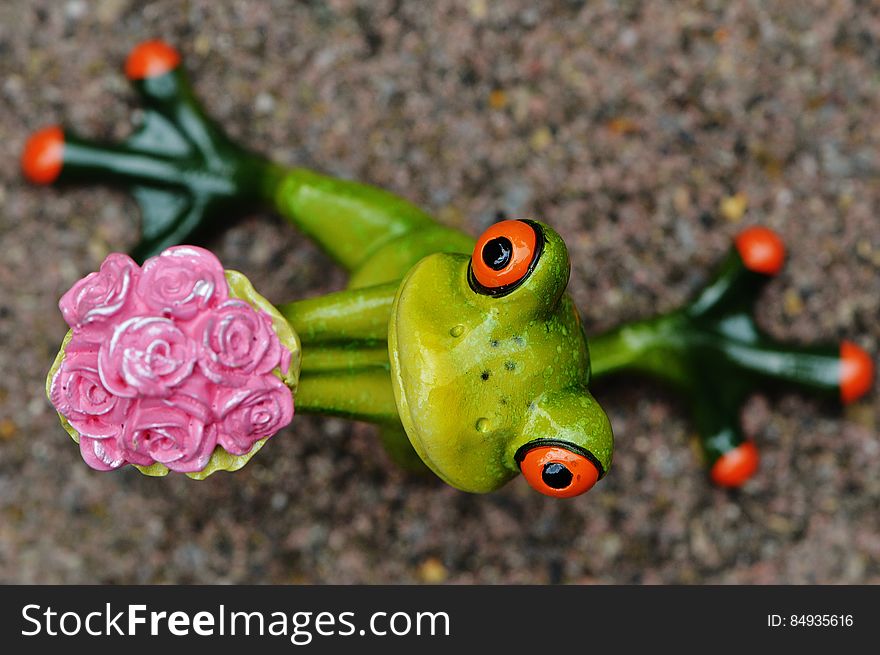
(647, 134)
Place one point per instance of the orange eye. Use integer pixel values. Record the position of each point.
(558, 472)
(504, 254)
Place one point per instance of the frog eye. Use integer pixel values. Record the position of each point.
(504, 255)
(557, 471)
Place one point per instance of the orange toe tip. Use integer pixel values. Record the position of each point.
(856, 372)
(736, 466)
(43, 155)
(761, 250)
(151, 59)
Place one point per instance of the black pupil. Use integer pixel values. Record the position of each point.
(496, 253)
(556, 475)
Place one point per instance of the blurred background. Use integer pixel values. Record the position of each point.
(648, 134)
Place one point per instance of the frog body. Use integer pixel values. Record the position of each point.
(515, 368)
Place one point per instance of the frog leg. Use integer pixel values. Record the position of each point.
(373, 234)
(356, 388)
(360, 394)
(353, 315)
(345, 368)
(186, 175)
(715, 353)
(715, 413)
(354, 381)
(345, 352)
(183, 171)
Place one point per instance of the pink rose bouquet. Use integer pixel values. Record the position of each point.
(163, 365)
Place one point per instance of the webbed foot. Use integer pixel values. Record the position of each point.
(713, 351)
(181, 168)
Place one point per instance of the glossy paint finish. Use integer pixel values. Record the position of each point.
(417, 344)
(558, 472)
(151, 59)
(856, 372)
(504, 254)
(715, 354)
(43, 155)
(735, 466)
(477, 376)
(761, 250)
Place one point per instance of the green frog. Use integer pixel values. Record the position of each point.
(491, 333)
(469, 354)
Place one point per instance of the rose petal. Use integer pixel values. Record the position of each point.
(101, 454)
(237, 343)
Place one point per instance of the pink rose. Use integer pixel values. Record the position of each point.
(146, 356)
(102, 294)
(182, 281)
(101, 454)
(249, 414)
(237, 344)
(79, 395)
(159, 432)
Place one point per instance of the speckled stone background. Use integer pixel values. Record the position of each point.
(646, 133)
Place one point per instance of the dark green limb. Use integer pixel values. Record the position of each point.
(734, 290)
(171, 96)
(183, 171)
(167, 219)
(715, 414)
(715, 354)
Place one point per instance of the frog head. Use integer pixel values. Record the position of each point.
(490, 366)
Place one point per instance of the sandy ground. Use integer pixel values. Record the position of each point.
(646, 136)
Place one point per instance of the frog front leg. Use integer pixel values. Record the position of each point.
(345, 368)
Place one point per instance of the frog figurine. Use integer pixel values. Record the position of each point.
(469, 355)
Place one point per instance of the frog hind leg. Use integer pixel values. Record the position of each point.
(184, 172)
(188, 176)
(715, 353)
(375, 235)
